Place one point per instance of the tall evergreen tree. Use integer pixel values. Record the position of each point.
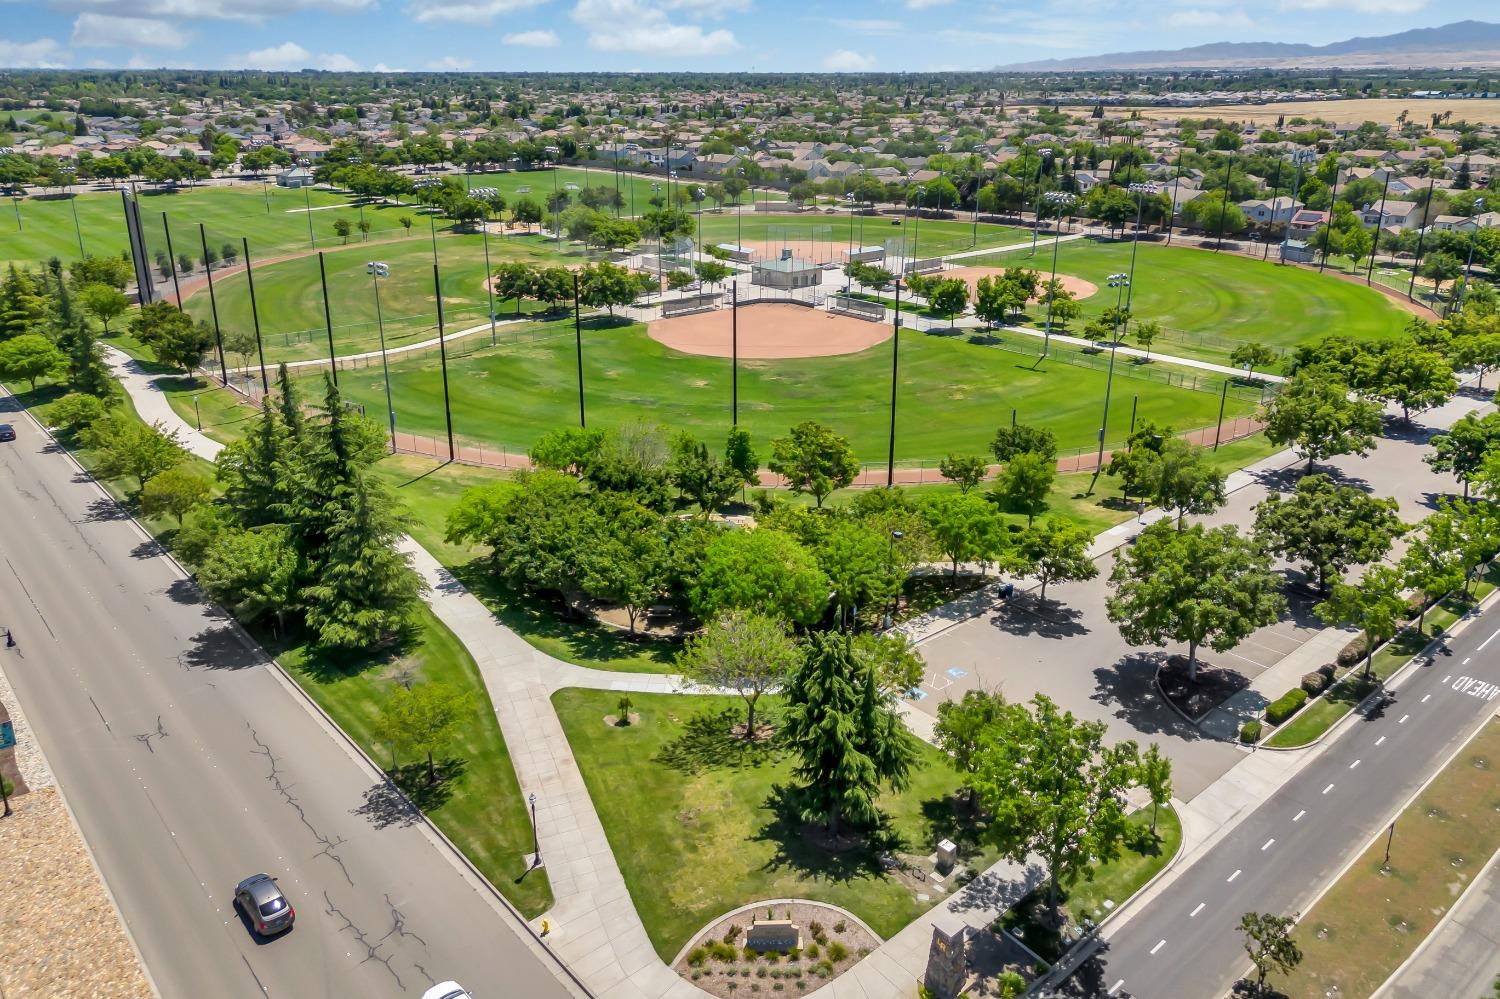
(253, 470)
(847, 739)
(87, 372)
(291, 408)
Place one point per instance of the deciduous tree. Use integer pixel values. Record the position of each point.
(1024, 484)
(1327, 527)
(1314, 414)
(423, 718)
(1055, 550)
(1269, 945)
(742, 651)
(175, 491)
(1374, 605)
(30, 356)
(764, 571)
(814, 460)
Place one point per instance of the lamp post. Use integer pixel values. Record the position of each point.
(1140, 191)
(197, 416)
(655, 190)
(1300, 159)
(487, 194)
(1119, 282)
(916, 231)
(1042, 156)
(378, 269)
(536, 841)
(1059, 199)
(1463, 289)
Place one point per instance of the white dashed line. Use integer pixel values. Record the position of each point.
(1402, 719)
(1159, 945)
(1115, 987)
(1379, 740)
(1197, 910)
(1448, 677)
(1354, 764)
(1466, 660)
(1328, 788)
(1267, 845)
(1232, 877)
(1425, 698)
(1488, 640)
(1299, 815)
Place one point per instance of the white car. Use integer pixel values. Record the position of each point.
(446, 990)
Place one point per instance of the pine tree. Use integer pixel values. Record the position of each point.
(87, 372)
(844, 734)
(22, 306)
(253, 470)
(291, 409)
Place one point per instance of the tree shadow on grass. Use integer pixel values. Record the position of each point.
(708, 742)
(804, 849)
(951, 817)
(332, 665)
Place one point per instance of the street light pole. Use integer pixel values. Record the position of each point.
(1463, 289)
(536, 842)
(1042, 156)
(890, 466)
(1140, 191)
(1120, 282)
(377, 270)
(1058, 198)
(1300, 159)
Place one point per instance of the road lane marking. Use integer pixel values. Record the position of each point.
(1159, 945)
(1232, 876)
(1466, 660)
(1379, 740)
(1354, 764)
(1115, 987)
(1299, 815)
(1448, 677)
(1197, 910)
(1402, 721)
(1267, 845)
(1476, 688)
(1425, 699)
(1328, 788)
(1488, 640)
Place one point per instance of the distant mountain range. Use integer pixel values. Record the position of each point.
(1463, 43)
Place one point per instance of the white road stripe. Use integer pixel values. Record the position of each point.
(1425, 699)
(1488, 640)
(1115, 987)
(1379, 740)
(1159, 945)
(1299, 815)
(1197, 910)
(1267, 845)
(1232, 876)
(1466, 660)
(1354, 764)
(1328, 788)
(1448, 677)
(1402, 720)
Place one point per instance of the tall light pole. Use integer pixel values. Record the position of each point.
(916, 231)
(487, 194)
(1300, 159)
(1059, 200)
(1119, 282)
(1140, 191)
(1043, 155)
(378, 269)
(1463, 289)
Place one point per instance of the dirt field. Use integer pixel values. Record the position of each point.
(1382, 110)
(1078, 286)
(819, 251)
(769, 331)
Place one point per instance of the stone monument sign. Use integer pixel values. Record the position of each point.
(773, 934)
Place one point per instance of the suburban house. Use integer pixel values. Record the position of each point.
(1394, 214)
(1305, 221)
(1269, 211)
(298, 176)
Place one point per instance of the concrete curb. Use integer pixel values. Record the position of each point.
(312, 707)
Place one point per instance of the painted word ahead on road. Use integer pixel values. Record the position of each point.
(1476, 688)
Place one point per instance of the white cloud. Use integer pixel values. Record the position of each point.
(43, 53)
(1197, 17)
(533, 39)
(706, 8)
(1358, 6)
(847, 61)
(924, 4)
(381, 67)
(233, 10)
(450, 62)
(106, 31)
(867, 26)
(643, 27)
(291, 56)
(466, 11)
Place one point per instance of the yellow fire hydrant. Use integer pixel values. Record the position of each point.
(546, 927)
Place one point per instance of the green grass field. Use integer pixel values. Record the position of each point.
(289, 294)
(1202, 294)
(952, 395)
(693, 818)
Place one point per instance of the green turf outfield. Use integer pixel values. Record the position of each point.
(289, 295)
(952, 395)
(1215, 295)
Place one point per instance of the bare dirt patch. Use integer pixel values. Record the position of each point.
(61, 936)
(769, 331)
(971, 275)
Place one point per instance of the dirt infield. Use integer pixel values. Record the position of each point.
(768, 331)
(819, 251)
(971, 275)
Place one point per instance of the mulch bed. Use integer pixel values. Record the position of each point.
(791, 974)
(1212, 686)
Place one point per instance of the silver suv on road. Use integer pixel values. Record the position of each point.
(260, 899)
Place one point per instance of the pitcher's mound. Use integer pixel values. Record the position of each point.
(1078, 286)
(768, 331)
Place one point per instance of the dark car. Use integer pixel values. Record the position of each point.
(7, 432)
(261, 900)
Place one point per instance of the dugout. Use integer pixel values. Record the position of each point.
(786, 273)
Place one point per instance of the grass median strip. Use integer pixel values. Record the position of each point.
(1377, 914)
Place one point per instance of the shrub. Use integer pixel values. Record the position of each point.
(1314, 683)
(751, 953)
(1250, 731)
(823, 969)
(837, 951)
(777, 987)
(761, 972)
(697, 974)
(812, 950)
(722, 951)
(731, 933)
(1286, 705)
(1327, 671)
(1352, 653)
(840, 926)
(815, 928)
(697, 956)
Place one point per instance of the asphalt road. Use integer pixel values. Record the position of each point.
(191, 763)
(1185, 943)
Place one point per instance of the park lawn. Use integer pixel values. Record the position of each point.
(836, 231)
(694, 821)
(1318, 717)
(952, 394)
(1224, 298)
(481, 810)
(1374, 917)
(289, 294)
(223, 413)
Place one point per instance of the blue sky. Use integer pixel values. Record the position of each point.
(774, 35)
